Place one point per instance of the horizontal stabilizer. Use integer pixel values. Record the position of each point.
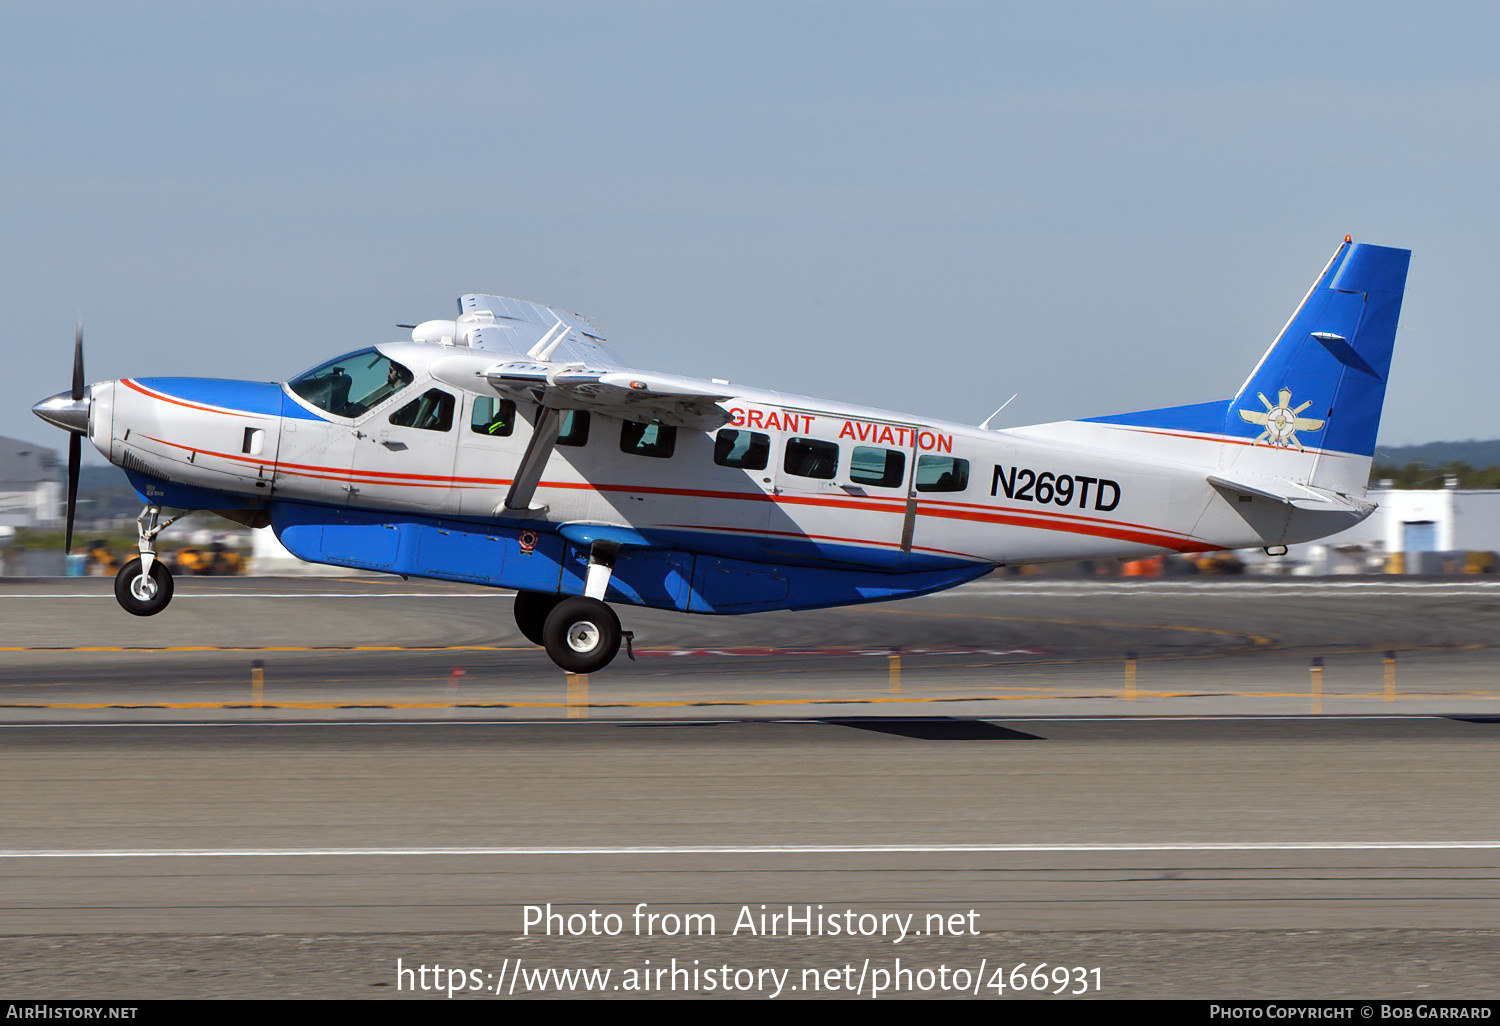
(1297, 496)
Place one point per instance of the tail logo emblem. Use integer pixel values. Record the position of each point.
(1281, 422)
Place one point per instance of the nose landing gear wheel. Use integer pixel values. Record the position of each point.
(582, 635)
(141, 594)
(531, 610)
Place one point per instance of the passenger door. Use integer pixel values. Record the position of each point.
(491, 438)
(404, 457)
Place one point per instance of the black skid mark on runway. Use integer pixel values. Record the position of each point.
(934, 728)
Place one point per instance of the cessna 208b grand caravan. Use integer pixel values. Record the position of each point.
(510, 447)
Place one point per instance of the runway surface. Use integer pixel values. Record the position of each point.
(1007, 646)
(163, 838)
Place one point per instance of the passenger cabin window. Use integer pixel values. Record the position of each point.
(747, 450)
(352, 385)
(430, 411)
(647, 439)
(885, 468)
(808, 457)
(573, 429)
(493, 416)
(942, 474)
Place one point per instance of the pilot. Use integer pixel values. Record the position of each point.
(397, 377)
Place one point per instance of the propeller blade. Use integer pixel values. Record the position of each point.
(78, 361)
(75, 444)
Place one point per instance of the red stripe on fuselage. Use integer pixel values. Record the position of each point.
(1068, 523)
(163, 397)
(1224, 439)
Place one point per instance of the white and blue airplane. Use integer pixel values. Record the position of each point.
(510, 447)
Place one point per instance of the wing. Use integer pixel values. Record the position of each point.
(627, 394)
(560, 361)
(515, 328)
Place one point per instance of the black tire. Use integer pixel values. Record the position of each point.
(582, 635)
(130, 579)
(532, 608)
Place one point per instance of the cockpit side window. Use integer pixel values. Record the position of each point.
(352, 385)
(431, 411)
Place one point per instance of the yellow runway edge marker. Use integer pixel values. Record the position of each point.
(578, 696)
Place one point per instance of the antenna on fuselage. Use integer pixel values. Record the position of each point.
(986, 425)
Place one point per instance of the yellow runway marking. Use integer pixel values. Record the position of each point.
(283, 704)
(758, 702)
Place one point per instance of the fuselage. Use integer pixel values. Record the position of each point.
(798, 480)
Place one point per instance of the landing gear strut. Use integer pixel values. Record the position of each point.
(144, 586)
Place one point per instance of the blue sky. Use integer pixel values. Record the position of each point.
(926, 207)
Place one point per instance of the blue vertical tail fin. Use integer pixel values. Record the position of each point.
(1321, 385)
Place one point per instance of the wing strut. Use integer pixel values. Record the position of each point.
(538, 451)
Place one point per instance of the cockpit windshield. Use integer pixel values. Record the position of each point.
(352, 384)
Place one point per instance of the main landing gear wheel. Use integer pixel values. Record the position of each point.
(582, 635)
(531, 610)
(141, 594)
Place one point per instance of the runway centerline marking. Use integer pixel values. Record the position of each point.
(748, 849)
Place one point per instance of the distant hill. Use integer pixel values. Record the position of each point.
(1437, 454)
(107, 476)
(105, 492)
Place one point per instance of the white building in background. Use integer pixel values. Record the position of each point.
(31, 490)
(1433, 530)
(270, 558)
